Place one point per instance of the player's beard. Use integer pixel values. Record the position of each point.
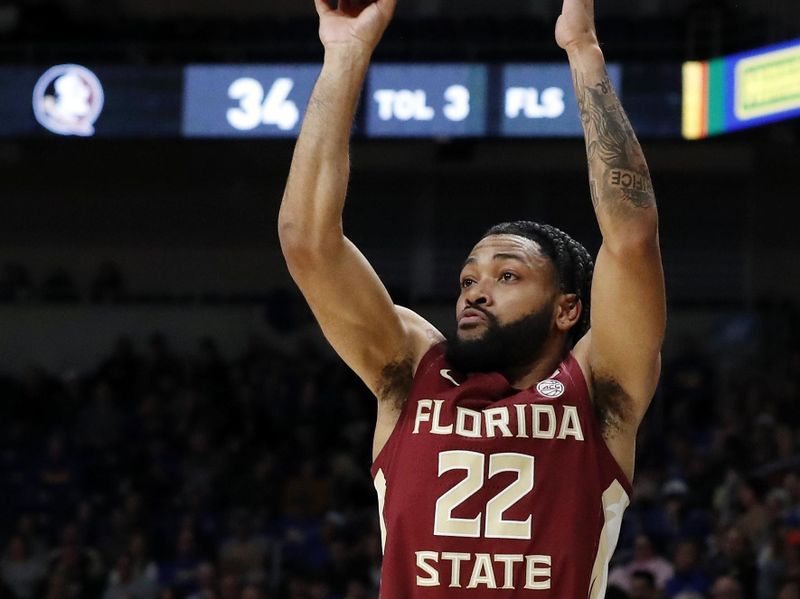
(509, 349)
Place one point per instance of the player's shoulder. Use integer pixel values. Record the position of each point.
(422, 335)
(580, 353)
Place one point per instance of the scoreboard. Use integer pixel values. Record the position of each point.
(420, 100)
(400, 100)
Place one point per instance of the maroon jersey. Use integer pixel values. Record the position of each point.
(482, 486)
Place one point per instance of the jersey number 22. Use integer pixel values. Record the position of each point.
(494, 526)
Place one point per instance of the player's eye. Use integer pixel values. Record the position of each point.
(508, 276)
(467, 282)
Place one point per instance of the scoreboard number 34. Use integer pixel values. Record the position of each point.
(257, 107)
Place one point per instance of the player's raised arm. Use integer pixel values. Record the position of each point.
(378, 341)
(628, 301)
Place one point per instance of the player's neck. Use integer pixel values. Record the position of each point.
(539, 370)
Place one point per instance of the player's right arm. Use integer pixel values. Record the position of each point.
(380, 342)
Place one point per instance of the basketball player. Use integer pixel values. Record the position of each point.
(502, 457)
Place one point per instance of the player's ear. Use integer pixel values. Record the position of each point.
(568, 311)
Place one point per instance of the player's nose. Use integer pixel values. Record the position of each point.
(478, 295)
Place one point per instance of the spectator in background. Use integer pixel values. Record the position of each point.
(58, 587)
(141, 564)
(22, 573)
(645, 559)
(182, 571)
(689, 383)
(243, 553)
(791, 484)
(123, 583)
(74, 566)
(229, 587)
(372, 551)
(206, 582)
(689, 576)
(34, 541)
(357, 589)
(202, 464)
(306, 494)
(726, 587)
(113, 539)
(643, 585)
(296, 587)
(772, 563)
(671, 516)
(319, 589)
(792, 572)
(252, 591)
(57, 479)
(736, 561)
(754, 518)
(790, 590)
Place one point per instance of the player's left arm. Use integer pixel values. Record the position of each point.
(628, 315)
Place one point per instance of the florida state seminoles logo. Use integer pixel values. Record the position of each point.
(68, 99)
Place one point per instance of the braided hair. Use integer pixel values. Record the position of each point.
(574, 266)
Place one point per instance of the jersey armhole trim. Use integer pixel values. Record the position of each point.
(434, 353)
(572, 364)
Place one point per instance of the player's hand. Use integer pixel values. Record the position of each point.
(354, 24)
(575, 28)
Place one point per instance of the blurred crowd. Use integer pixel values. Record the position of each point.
(170, 476)
(160, 475)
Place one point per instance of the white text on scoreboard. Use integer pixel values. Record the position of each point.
(431, 100)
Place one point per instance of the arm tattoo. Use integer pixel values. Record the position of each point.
(619, 176)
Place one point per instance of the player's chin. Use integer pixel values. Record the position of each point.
(471, 332)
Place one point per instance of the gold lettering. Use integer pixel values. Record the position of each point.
(521, 430)
(550, 413)
(422, 563)
(437, 428)
(537, 566)
(455, 559)
(497, 418)
(508, 562)
(421, 415)
(571, 424)
(483, 572)
(474, 431)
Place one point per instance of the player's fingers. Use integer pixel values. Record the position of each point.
(323, 7)
(386, 7)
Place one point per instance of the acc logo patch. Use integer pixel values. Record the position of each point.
(68, 99)
(550, 388)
